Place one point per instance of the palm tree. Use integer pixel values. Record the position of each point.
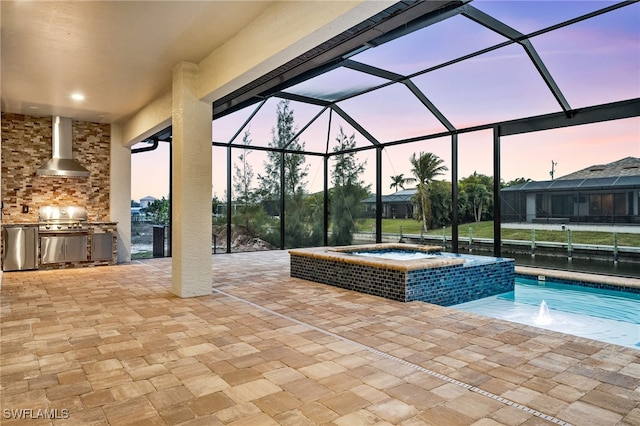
(477, 189)
(426, 166)
(398, 181)
(479, 197)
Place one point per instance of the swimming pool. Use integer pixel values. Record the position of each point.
(599, 314)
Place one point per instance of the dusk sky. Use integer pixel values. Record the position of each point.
(593, 62)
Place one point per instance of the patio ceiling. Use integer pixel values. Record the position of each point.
(464, 67)
(119, 54)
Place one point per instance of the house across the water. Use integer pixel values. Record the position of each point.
(606, 193)
(394, 206)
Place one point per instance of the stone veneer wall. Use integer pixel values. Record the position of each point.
(26, 145)
(445, 286)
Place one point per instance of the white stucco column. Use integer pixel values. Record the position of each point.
(191, 189)
(120, 192)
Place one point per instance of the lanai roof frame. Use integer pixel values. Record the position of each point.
(277, 85)
(600, 112)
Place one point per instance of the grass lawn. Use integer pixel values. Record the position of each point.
(485, 230)
(142, 255)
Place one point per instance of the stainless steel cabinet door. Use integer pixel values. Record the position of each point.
(102, 246)
(52, 249)
(20, 248)
(76, 248)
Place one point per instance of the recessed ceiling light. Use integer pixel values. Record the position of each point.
(77, 97)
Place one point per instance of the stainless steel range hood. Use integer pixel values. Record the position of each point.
(62, 163)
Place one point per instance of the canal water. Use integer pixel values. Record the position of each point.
(626, 269)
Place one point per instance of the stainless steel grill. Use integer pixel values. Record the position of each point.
(55, 219)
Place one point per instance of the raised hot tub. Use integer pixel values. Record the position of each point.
(426, 274)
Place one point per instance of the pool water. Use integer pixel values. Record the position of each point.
(604, 315)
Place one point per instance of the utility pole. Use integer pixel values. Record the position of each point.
(553, 168)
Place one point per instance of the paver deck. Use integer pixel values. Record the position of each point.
(112, 345)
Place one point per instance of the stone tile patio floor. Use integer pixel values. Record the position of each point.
(113, 345)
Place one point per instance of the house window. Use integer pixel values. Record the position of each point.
(541, 210)
(619, 205)
(607, 204)
(582, 205)
(595, 205)
(561, 205)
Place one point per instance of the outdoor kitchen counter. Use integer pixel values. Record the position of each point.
(98, 234)
(90, 223)
(103, 226)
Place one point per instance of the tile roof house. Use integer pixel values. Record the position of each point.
(397, 205)
(601, 193)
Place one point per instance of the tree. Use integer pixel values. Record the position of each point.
(315, 206)
(159, 211)
(440, 196)
(479, 197)
(397, 181)
(249, 211)
(426, 166)
(516, 181)
(215, 202)
(478, 189)
(243, 174)
(282, 136)
(348, 191)
(297, 229)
